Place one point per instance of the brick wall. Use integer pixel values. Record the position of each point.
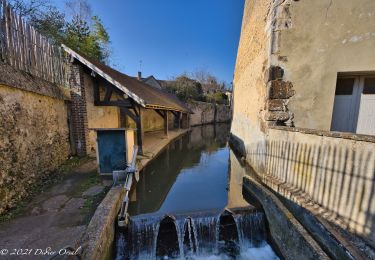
(78, 108)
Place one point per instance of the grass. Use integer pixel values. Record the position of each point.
(91, 203)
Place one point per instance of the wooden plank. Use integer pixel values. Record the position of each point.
(22, 47)
(114, 103)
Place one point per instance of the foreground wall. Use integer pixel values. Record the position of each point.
(331, 174)
(34, 134)
(208, 113)
(249, 88)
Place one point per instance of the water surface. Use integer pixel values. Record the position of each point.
(190, 175)
(177, 207)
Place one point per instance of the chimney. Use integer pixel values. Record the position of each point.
(139, 75)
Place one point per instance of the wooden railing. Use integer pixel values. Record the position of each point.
(24, 48)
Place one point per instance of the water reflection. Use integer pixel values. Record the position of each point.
(190, 175)
(186, 190)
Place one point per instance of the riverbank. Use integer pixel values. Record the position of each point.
(98, 237)
(57, 216)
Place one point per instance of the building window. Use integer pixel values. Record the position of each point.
(354, 105)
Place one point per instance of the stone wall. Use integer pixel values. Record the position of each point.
(34, 137)
(208, 113)
(286, 69)
(331, 174)
(338, 38)
(249, 87)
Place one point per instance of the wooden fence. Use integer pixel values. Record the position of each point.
(26, 49)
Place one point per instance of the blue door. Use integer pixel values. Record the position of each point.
(112, 153)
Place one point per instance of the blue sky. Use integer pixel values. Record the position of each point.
(172, 36)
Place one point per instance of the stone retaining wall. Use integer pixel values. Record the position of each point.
(332, 174)
(34, 140)
(209, 113)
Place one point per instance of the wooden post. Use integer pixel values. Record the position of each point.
(179, 120)
(185, 121)
(166, 123)
(140, 132)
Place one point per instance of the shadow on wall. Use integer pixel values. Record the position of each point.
(331, 177)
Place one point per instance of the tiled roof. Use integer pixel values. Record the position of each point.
(140, 92)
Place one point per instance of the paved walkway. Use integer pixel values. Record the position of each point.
(58, 217)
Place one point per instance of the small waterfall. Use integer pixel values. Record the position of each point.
(206, 233)
(180, 229)
(194, 236)
(250, 229)
(143, 235)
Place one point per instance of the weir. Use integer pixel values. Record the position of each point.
(188, 204)
(192, 235)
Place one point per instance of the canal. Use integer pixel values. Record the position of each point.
(188, 204)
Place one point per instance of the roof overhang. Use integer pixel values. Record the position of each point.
(98, 71)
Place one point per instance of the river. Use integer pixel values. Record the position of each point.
(185, 205)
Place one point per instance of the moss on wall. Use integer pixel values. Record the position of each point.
(34, 141)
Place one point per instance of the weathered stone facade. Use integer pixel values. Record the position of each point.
(286, 69)
(289, 57)
(209, 113)
(34, 141)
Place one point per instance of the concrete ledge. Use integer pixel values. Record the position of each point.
(344, 135)
(292, 239)
(333, 243)
(99, 236)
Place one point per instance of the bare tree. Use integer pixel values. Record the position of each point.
(29, 8)
(80, 9)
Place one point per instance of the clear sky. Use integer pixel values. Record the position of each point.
(172, 36)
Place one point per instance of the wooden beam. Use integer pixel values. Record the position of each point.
(136, 116)
(120, 103)
(108, 94)
(140, 133)
(130, 114)
(96, 91)
(161, 113)
(175, 113)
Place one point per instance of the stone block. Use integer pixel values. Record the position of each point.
(276, 116)
(276, 104)
(273, 73)
(279, 89)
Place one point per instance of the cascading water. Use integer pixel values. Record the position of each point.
(143, 233)
(198, 238)
(250, 229)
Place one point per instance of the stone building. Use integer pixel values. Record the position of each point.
(303, 101)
